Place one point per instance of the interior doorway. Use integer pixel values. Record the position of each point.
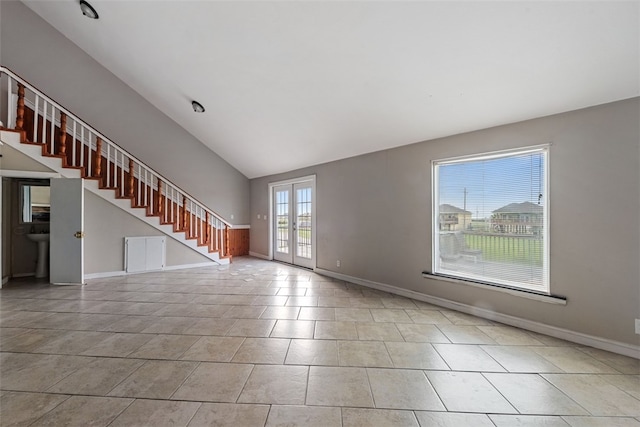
(292, 228)
(29, 222)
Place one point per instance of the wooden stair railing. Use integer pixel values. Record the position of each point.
(43, 122)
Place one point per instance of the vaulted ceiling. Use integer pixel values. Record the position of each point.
(288, 84)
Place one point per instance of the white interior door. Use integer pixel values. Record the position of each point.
(294, 223)
(66, 236)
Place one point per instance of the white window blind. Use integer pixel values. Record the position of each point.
(490, 218)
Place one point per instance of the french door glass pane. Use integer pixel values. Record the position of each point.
(282, 209)
(303, 221)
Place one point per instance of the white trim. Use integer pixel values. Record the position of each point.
(618, 347)
(494, 154)
(104, 274)
(435, 217)
(28, 174)
(186, 266)
(292, 181)
(515, 292)
(240, 227)
(259, 255)
(168, 268)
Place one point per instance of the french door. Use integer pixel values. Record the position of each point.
(293, 223)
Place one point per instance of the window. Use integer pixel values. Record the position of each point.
(490, 219)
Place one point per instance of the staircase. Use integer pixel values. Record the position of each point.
(43, 130)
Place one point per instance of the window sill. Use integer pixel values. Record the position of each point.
(551, 299)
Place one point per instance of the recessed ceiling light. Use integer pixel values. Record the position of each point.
(88, 10)
(197, 107)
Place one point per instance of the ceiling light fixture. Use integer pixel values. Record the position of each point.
(88, 10)
(197, 107)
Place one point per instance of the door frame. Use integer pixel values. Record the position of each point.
(308, 179)
(4, 173)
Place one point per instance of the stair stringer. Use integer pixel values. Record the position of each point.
(34, 152)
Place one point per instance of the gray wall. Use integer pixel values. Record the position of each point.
(374, 214)
(106, 226)
(40, 54)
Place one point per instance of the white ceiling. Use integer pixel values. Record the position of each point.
(289, 84)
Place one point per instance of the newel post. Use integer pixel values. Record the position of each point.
(97, 164)
(227, 250)
(62, 147)
(20, 109)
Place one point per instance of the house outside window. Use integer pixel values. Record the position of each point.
(491, 219)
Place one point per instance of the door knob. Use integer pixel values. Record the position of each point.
(78, 235)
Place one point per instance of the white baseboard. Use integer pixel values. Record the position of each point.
(259, 255)
(625, 349)
(185, 266)
(167, 268)
(104, 274)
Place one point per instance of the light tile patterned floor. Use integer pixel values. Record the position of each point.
(258, 343)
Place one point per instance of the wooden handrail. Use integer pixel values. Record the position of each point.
(20, 123)
(80, 146)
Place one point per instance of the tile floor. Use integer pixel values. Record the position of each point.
(264, 344)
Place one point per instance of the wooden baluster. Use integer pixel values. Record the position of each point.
(227, 250)
(131, 173)
(206, 228)
(184, 214)
(159, 201)
(20, 109)
(62, 147)
(97, 164)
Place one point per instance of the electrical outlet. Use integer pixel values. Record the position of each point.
(264, 216)
(338, 263)
(638, 326)
(258, 216)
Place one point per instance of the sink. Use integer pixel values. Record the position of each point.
(42, 239)
(38, 237)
